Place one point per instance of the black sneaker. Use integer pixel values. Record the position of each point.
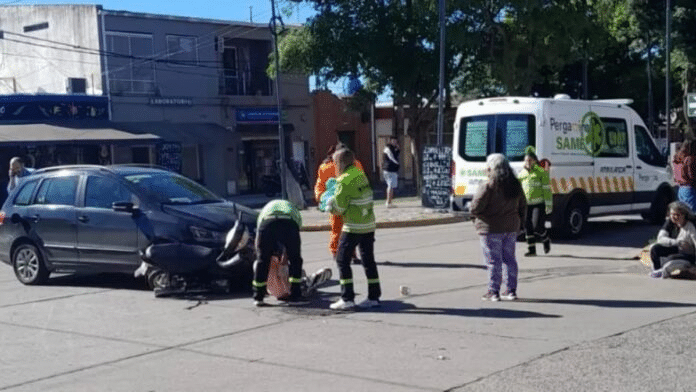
(530, 254)
(547, 246)
(259, 303)
(294, 300)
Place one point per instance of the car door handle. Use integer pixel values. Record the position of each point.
(628, 166)
(83, 219)
(639, 167)
(35, 218)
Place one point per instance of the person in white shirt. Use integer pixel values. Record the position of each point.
(390, 166)
(675, 240)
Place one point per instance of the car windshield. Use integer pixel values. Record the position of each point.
(171, 188)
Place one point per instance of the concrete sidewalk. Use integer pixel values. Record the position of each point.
(406, 212)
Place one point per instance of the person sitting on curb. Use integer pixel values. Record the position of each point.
(675, 240)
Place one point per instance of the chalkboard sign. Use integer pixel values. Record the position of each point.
(437, 180)
(169, 156)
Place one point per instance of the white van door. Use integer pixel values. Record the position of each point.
(650, 172)
(613, 164)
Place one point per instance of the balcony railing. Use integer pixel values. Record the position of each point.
(236, 82)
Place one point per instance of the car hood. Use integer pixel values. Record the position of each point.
(222, 215)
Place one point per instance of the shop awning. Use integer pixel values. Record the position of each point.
(45, 133)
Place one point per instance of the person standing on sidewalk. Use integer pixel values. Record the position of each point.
(390, 166)
(537, 190)
(684, 169)
(278, 225)
(327, 170)
(17, 171)
(499, 206)
(353, 200)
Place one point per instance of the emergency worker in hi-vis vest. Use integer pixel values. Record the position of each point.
(537, 189)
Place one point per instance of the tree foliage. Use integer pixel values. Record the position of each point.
(587, 48)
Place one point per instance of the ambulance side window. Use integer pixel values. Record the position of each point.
(646, 149)
(615, 138)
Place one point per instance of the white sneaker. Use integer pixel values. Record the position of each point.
(342, 305)
(369, 303)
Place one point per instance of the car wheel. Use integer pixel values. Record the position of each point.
(28, 265)
(574, 218)
(158, 279)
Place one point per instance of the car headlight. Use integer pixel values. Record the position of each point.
(205, 235)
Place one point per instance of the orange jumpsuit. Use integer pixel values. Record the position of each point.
(328, 170)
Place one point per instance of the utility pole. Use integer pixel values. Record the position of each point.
(251, 14)
(667, 72)
(281, 133)
(441, 93)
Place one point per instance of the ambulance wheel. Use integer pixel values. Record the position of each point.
(574, 218)
(658, 209)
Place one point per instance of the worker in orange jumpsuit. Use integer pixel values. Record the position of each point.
(327, 169)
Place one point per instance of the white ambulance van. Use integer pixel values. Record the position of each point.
(602, 157)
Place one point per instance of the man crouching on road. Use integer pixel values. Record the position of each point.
(353, 200)
(278, 223)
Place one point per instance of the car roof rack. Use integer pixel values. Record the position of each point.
(78, 166)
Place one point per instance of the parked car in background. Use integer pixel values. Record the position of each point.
(93, 219)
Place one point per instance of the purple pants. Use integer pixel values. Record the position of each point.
(498, 252)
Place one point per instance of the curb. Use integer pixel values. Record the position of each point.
(397, 224)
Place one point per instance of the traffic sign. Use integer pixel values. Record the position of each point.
(691, 104)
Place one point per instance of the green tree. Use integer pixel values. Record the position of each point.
(641, 24)
(388, 43)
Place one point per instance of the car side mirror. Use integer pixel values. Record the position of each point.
(124, 206)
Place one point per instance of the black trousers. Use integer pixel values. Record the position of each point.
(346, 249)
(658, 251)
(535, 224)
(271, 236)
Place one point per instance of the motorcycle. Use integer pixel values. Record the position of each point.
(175, 268)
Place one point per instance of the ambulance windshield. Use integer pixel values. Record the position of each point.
(507, 134)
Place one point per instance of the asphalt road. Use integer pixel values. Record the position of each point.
(588, 319)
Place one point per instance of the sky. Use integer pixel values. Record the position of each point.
(237, 10)
(257, 11)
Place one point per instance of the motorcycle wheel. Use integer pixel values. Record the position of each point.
(158, 279)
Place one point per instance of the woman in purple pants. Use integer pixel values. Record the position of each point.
(499, 207)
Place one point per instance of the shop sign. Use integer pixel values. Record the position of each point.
(53, 107)
(256, 115)
(170, 101)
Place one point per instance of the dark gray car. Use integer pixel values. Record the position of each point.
(96, 218)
